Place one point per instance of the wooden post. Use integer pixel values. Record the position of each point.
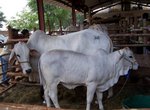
(89, 16)
(145, 39)
(10, 36)
(60, 25)
(49, 27)
(135, 21)
(84, 14)
(41, 14)
(125, 5)
(73, 16)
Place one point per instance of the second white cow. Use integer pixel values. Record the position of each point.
(97, 72)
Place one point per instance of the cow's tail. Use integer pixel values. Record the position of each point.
(40, 73)
(41, 81)
(111, 46)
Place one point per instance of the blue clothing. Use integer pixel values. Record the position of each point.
(4, 68)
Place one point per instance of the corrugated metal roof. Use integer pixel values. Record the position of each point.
(82, 5)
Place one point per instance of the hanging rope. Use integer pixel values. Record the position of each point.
(127, 77)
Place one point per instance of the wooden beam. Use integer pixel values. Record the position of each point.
(73, 16)
(132, 45)
(41, 14)
(12, 85)
(100, 3)
(129, 35)
(65, 3)
(14, 106)
(103, 8)
(25, 83)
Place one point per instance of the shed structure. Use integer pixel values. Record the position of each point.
(88, 7)
(128, 26)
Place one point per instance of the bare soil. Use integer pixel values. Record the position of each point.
(76, 99)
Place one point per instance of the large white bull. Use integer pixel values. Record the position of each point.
(86, 41)
(97, 72)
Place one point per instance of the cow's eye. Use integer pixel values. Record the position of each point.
(18, 55)
(130, 57)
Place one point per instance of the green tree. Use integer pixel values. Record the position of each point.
(24, 20)
(54, 17)
(2, 18)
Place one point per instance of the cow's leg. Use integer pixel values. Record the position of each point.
(53, 94)
(99, 98)
(47, 98)
(110, 92)
(42, 93)
(91, 87)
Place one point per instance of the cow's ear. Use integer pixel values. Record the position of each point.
(12, 57)
(34, 53)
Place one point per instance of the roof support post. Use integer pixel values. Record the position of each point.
(125, 5)
(41, 14)
(89, 16)
(84, 14)
(73, 15)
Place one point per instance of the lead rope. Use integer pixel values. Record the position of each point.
(23, 62)
(127, 77)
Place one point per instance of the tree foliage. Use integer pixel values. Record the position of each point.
(25, 20)
(2, 18)
(52, 14)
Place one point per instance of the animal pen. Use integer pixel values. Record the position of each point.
(129, 27)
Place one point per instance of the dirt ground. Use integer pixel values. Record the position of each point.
(76, 99)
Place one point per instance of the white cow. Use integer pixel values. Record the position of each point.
(21, 51)
(29, 63)
(97, 72)
(86, 41)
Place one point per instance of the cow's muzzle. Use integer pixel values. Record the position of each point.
(135, 66)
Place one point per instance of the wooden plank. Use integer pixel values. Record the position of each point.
(13, 41)
(12, 106)
(134, 109)
(16, 40)
(132, 45)
(6, 89)
(16, 74)
(25, 83)
(129, 34)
